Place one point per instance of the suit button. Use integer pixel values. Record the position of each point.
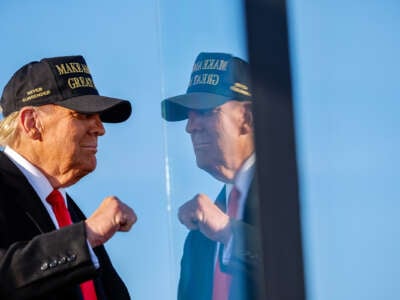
(44, 266)
(62, 260)
(71, 257)
(53, 264)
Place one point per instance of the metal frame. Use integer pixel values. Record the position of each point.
(275, 147)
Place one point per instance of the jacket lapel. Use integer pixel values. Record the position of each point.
(221, 199)
(251, 206)
(25, 196)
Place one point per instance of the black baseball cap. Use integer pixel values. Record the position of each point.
(65, 81)
(216, 78)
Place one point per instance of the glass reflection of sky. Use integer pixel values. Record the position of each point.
(210, 27)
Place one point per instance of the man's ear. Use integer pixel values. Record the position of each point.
(30, 123)
(248, 121)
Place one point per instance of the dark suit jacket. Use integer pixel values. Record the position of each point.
(245, 265)
(39, 262)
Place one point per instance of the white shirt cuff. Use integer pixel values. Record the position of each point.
(93, 256)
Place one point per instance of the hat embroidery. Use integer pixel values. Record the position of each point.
(210, 64)
(35, 93)
(208, 78)
(205, 78)
(76, 68)
(240, 88)
(72, 67)
(77, 82)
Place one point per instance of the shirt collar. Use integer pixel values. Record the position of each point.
(244, 176)
(35, 177)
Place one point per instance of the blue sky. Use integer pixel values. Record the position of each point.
(345, 74)
(345, 60)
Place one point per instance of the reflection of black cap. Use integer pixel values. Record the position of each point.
(65, 81)
(216, 78)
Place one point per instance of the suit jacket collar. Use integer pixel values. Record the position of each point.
(251, 207)
(220, 201)
(251, 204)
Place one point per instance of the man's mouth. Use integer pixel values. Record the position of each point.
(90, 147)
(200, 145)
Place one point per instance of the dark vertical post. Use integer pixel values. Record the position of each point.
(275, 147)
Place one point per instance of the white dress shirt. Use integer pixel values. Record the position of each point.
(242, 182)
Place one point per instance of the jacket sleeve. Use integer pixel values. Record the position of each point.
(48, 262)
(246, 254)
(246, 251)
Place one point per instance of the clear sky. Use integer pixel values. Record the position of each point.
(345, 73)
(345, 59)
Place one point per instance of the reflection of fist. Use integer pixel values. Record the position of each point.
(111, 216)
(202, 214)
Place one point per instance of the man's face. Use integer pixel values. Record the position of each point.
(68, 142)
(218, 140)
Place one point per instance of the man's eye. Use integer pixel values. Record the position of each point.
(207, 112)
(81, 116)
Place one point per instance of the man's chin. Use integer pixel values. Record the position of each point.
(76, 176)
(205, 166)
(80, 172)
(89, 165)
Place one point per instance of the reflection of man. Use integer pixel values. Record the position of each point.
(53, 117)
(221, 258)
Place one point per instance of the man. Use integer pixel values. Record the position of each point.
(53, 117)
(222, 252)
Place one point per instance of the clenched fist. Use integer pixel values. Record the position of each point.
(111, 216)
(200, 213)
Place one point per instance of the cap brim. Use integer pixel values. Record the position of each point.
(111, 110)
(176, 108)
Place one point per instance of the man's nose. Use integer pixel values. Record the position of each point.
(193, 122)
(97, 125)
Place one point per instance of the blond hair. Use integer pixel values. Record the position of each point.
(8, 127)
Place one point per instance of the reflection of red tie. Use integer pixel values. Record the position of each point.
(63, 217)
(222, 281)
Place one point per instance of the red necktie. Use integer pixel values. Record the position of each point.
(222, 281)
(63, 217)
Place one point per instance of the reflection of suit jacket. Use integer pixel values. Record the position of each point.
(39, 262)
(245, 265)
